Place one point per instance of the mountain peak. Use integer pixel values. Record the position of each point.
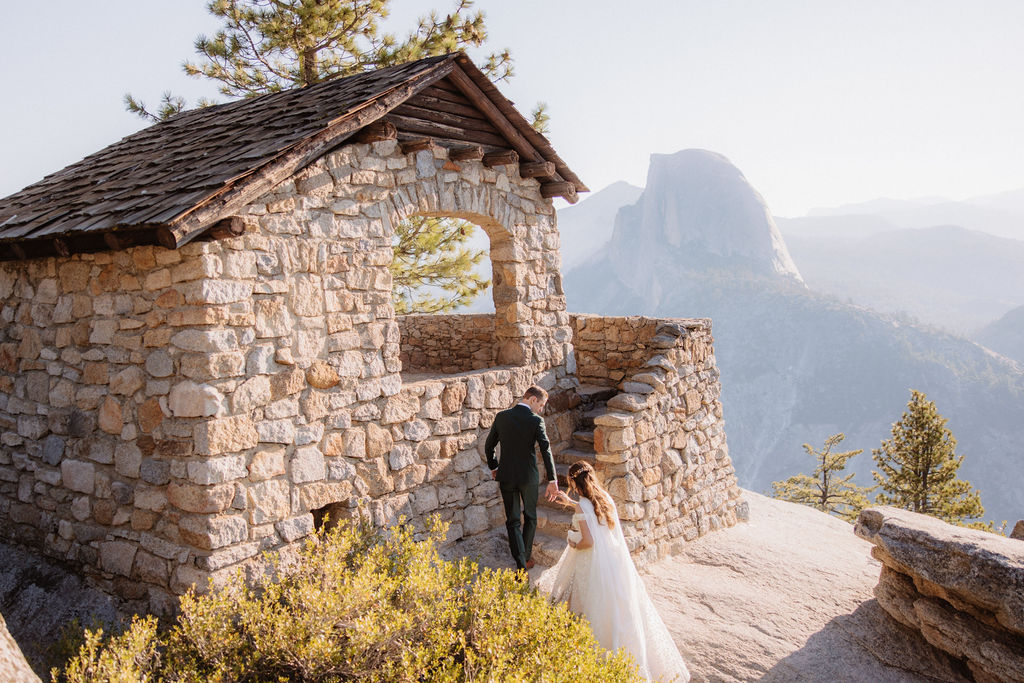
(699, 210)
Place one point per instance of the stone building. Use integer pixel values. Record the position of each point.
(199, 355)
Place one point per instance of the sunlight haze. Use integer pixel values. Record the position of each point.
(818, 103)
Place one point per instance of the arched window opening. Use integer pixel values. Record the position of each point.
(440, 265)
(451, 295)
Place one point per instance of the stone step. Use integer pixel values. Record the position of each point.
(587, 419)
(593, 393)
(583, 440)
(570, 456)
(554, 522)
(546, 549)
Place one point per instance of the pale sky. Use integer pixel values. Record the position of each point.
(818, 102)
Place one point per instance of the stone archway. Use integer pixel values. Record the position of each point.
(488, 209)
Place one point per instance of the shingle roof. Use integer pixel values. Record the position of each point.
(183, 172)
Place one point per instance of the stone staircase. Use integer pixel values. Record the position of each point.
(553, 519)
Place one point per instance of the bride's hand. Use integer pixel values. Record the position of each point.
(563, 498)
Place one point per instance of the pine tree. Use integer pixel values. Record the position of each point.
(432, 271)
(825, 490)
(265, 46)
(918, 468)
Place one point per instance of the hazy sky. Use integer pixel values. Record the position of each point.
(818, 102)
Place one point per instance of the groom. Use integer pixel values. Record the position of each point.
(517, 430)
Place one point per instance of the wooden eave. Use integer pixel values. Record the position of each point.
(535, 139)
(110, 213)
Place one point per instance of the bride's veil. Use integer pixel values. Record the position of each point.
(615, 601)
(614, 609)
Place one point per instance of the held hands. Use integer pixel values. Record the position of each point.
(551, 492)
(561, 497)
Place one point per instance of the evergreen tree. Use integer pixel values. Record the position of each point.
(826, 490)
(265, 46)
(918, 468)
(432, 271)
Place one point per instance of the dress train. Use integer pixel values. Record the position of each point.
(601, 584)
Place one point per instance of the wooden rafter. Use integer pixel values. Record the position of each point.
(417, 145)
(506, 157)
(468, 88)
(377, 132)
(537, 169)
(467, 153)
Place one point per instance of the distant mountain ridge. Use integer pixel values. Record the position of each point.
(947, 276)
(1000, 214)
(796, 366)
(585, 227)
(1006, 335)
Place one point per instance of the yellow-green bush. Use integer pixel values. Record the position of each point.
(358, 605)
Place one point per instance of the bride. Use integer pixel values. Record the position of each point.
(596, 577)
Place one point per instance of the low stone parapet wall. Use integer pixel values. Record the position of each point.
(447, 343)
(609, 348)
(962, 589)
(662, 442)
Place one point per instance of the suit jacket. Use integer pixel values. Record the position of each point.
(517, 430)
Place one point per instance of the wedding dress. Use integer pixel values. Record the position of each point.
(601, 584)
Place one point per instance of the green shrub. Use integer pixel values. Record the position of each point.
(358, 604)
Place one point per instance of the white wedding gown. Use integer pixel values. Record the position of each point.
(601, 584)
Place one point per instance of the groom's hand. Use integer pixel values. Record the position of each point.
(494, 474)
(552, 489)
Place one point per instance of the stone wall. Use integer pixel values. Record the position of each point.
(609, 349)
(166, 415)
(91, 350)
(962, 589)
(661, 444)
(447, 343)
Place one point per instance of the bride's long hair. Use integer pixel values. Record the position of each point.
(584, 480)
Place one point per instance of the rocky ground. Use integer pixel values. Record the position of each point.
(786, 596)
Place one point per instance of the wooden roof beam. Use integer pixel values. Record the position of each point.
(562, 188)
(506, 157)
(467, 153)
(61, 247)
(537, 169)
(232, 226)
(493, 114)
(417, 145)
(377, 132)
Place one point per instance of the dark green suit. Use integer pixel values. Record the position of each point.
(518, 429)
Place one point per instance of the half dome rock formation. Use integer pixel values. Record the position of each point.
(700, 212)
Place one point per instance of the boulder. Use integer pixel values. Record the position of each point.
(962, 589)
